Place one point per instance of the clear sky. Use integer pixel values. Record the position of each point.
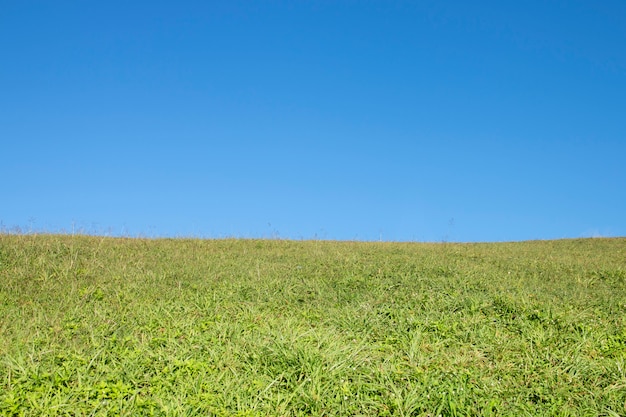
(367, 120)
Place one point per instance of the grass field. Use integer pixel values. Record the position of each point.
(94, 326)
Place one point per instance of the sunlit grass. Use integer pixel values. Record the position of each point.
(103, 326)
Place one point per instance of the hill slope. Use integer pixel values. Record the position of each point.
(103, 326)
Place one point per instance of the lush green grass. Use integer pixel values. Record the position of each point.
(102, 326)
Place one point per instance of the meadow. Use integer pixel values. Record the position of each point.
(94, 326)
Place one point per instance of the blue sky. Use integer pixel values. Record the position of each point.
(368, 120)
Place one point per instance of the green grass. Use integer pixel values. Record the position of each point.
(95, 326)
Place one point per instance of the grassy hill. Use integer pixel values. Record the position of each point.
(106, 326)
